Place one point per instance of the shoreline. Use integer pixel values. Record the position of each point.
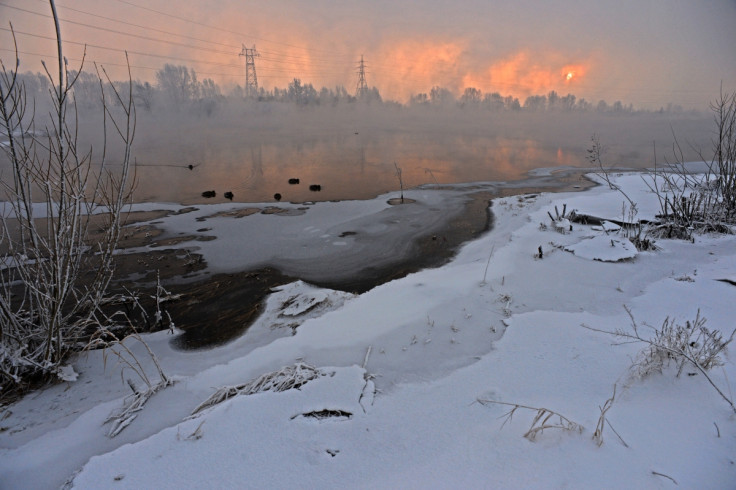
(231, 301)
(495, 328)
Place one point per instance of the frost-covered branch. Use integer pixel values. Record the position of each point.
(692, 344)
(47, 299)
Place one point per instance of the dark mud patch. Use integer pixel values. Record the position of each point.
(169, 242)
(140, 270)
(397, 201)
(220, 309)
(242, 213)
(283, 211)
(236, 213)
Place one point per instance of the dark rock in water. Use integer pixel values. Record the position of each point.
(315, 187)
(293, 181)
(229, 195)
(209, 194)
(277, 196)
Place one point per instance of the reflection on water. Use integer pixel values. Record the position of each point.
(352, 155)
(356, 167)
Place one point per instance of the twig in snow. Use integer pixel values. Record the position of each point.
(598, 434)
(367, 355)
(487, 264)
(544, 419)
(666, 476)
(617, 434)
(131, 406)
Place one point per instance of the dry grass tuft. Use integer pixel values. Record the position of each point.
(691, 344)
(544, 419)
(287, 378)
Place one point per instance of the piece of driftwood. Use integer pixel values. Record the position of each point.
(588, 219)
(585, 219)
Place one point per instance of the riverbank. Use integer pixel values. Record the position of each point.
(414, 379)
(224, 259)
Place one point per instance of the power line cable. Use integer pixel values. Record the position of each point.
(147, 28)
(311, 60)
(304, 61)
(147, 38)
(137, 67)
(119, 50)
(219, 29)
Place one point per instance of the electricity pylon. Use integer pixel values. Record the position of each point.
(251, 81)
(361, 90)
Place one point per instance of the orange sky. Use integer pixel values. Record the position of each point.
(647, 53)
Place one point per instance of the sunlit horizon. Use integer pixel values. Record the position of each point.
(646, 55)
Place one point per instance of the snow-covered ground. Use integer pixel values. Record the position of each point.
(414, 377)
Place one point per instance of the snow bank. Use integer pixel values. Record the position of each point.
(408, 362)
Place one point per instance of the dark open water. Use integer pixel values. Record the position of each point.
(351, 155)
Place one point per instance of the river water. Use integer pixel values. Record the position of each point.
(251, 152)
(357, 157)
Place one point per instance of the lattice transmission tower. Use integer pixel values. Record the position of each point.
(361, 89)
(251, 81)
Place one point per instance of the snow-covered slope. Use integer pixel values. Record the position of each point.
(419, 376)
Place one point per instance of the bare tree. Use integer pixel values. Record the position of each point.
(700, 202)
(724, 146)
(178, 82)
(55, 192)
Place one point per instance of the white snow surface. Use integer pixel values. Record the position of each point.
(406, 364)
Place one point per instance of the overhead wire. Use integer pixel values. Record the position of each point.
(131, 24)
(122, 65)
(219, 29)
(119, 50)
(113, 31)
(311, 60)
(323, 65)
(282, 59)
(270, 61)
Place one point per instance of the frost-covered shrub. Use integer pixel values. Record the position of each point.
(705, 202)
(53, 194)
(691, 344)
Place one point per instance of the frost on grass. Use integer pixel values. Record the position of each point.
(287, 378)
(292, 304)
(301, 304)
(121, 418)
(690, 345)
(543, 419)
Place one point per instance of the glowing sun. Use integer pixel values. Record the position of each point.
(569, 76)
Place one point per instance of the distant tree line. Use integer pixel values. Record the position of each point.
(177, 87)
(495, 102)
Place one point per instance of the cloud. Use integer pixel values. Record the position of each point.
(408, 66)
(524, 73)
(648, 53)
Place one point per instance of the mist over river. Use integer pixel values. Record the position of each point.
(351, 151)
